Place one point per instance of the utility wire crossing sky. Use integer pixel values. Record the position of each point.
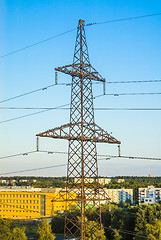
(129, 50)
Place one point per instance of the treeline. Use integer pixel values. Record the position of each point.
(41, 182)
(129, 182)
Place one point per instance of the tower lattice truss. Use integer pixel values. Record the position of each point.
(83, 190)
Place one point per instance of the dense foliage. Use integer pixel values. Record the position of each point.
(44, 231)
(9, 232)
(131, 223)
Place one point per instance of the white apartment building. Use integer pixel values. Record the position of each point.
(102, 181)
(149, 195)
(120, 195)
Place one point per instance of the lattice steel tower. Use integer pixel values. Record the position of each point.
(83, 186)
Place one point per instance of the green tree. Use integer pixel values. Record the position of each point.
(116, 235)
(57, 224)
(148, 221)
(18, 234)
(44, 231)
(117, 219)
(5, 232)
(153, 231)
(8, 232)
(93, 230)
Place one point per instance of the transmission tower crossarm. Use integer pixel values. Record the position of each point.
(75, 70)
(63, 132)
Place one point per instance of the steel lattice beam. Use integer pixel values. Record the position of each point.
(63, 132)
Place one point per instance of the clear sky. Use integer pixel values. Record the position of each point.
(121, 51)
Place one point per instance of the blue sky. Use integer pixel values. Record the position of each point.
(122, 51)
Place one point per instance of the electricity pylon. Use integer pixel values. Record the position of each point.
(82, 186)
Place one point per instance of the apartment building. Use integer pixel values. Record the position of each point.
(149, 195)
(30, 203)
(13, 181)
(4, 181)
(120, 195)
(120, 180)
(101, 181)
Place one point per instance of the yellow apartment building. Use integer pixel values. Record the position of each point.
(30, 203)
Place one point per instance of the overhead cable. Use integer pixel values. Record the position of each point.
(37, 43)
(27, 93)
(97, 108)
(124, 19)
(89, 24)
(49, 109)
(33, 169)
(122, 231)
(128, 94)
(31, 114)
(18, 154)
(69, 84)
(128, 232)
(104, 156)
(136, 81)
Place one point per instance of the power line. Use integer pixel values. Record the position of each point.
(33, 169)
(130, 157)
(69, 84)
(31, 114)
(105, 156)
(97, 108)
(30, 152)
(127, 94)
(89, 24)
(36, 43)
(127, 109)
(27, 93)
(110, 94)
(18, 154)
(123, 231)
(124, 19)
(48, 167)
(128, 232)
(136, 81)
